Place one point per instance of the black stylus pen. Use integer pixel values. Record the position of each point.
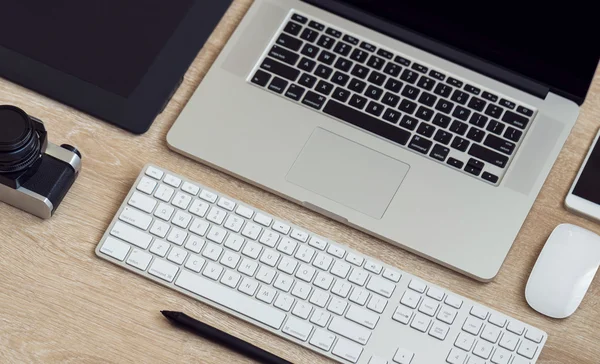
(220, 337)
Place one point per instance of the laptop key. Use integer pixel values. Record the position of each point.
(475, 134)
(359, 55)
(318, 26)
(476, 163)
(490, 97)
(444, 106)
(472, 170)
(324, 88)
(437, 75)
(280, 69)
(507, 104)
(391, 115)
(292, 28)
(489, 177)
(385, 54)
(424, 113)
(427, 99)
(460, 144)
(342, 48)
(478, 120)
(368, 46)
(289, 42)
(477, 104)
(495, 127)
(299, 18)
(443, 90)
(426, 130)
(390, 99)
(374, 108)
(392, 69)
(393, 85)
(333, 32)
(458, 127)
(360, 71)
(461, 113)
(343, 64)
(340, 94)
(454, 82)
(340, 78)
(283, 55)
(515, 119)
(409, 76)
(494, 111)
(439, 152)
(307, 64)
(366, 122)
(376, 62)
(314, 100)
(295, 92)
(357, 85)
(420, 68)
(407, 106)
(488, 155)
(358, 101)
(499, 144)
(350, 39)
(309, 35)
(513, 134)
(374, 92)
(426, 83)
(323, 71)
(460, 97)
(420, 144)
(377, 78)
(525, 111)
(455, 163)
(401, 60)
(409, 122)
(326, 57)
(441, 120)
(472, 89)
(410, 92)
(442, 137)
(310, 50)
(326, 41)
(261, 78)
(307, 80)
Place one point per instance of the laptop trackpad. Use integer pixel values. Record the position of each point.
(348, 173)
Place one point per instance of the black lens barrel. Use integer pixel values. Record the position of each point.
(20, 144)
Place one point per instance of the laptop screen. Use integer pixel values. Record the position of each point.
(555, 45)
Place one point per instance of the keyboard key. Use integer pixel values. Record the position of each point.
(381, 286)
(377, 304)
(458, 127)
(410, 92)
(441, 120)
(136, 218)
(326, 57)
(444, 106)
(473, 325)
(491, 97)
(500, 145)
(340, 94)
(299, 18)
(302, 310)
(402, 61)
(477, 164)
(283, 55)
(361, 316)
(324, 87)
(164, 193)
(374, 108)
(472, 170)
(357, 85)
(318, 26)
(456, 357)
(460, 97)
(307, 80)
(295, 92)
(509, 341)
(314, 100)
(347, 350)
(439, 330)
(392, 116)
(390, 99)
(278, 85)
(476, 134)
(477, 104)
(426, 130)
(350, 39)
(460, 144)
(333, 32)
(326, 41)
(516, 327)
(515, 119)
(177, 255)
(350, 330)
(447, 315)
(310, 50)
(437, 75)
(425, 82)
(343, 64)
(455, 163)
(525, 111)
(420, 322)
(483, 349)
(402, 315)
(440, 152)
(454, 82)
(323, 71)
(489, 177)
(154, 173)
(357, 101)
(409, 76)
(359, 55)
(419, 68)
(392, 69)
(495, 127)
(377, 78)
(409, 123)
(322, 339)
(501, 356)
(488, 155)
(374, 267)
(376, 62)
(393, 85)
(280, 69)
(115, 248)
(160, 248)
(427, 99)
(472, 89)
(443, 137)
(261, 78)
(491, 333)
(508, 104)
(385, 54)
(461, 113)
(342, 48)
(478, 120)
(163, 270)
(424, 113)
(360, 71)
(195, 264)
(494, 111)
(367, 46)
(142, 202)
(443, 90)
(289, 42)
(407, 106)
(358, 276)
(513, 134)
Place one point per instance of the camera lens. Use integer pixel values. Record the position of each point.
(20, 144)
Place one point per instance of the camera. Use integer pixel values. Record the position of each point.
(35, 175)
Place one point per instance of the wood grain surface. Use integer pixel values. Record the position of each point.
(60, 303)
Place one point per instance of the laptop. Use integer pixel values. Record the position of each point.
(430, 126)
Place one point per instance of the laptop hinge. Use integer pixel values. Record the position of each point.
(476, 64)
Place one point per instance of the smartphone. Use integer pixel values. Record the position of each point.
(584, 196)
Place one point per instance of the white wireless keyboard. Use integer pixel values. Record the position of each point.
(305, 288)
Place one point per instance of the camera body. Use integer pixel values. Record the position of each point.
(35, 175)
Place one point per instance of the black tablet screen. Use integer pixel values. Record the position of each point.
(108, 43)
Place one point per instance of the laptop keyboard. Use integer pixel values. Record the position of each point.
(425, 110)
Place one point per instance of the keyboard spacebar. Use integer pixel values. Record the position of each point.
(366, 122)
(230, 299)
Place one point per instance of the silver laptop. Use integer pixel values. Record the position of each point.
(426, 126)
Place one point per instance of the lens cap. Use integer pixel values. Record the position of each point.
(16, 128)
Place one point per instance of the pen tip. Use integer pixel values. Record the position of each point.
(168, 314)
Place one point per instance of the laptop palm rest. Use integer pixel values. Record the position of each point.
(348, 173)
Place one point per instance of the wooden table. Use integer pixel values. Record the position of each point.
(60, 303)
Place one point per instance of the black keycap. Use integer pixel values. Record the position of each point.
(401, 60)
(444, 106)
(513, 134)
(376, 62)
(307, 64)
(489, 177)
(476, 134)
(314, 100)
(515, 119)
(324, 87)
(525, 111)
(358, 101)
(343, 64)
(360, 71)
(366, 122)
(472, 89)
(476, 163)
(342, 49)
(424, 113)
(299, 18)
(420, 144)
(309, 35)
(454, 82)
(409, 76)
(374, 108)
(323, 71)
(472, 170)
(359, 55)
(368, 46)
(488, 155)
(385, 54)
(478, 120)
(392, 69)
(461, 113)
(292, 28)
(261, 78)
(495, 127)
(340, 78)
(437, 75)
(350, 39)
(410, 92)
(307, 80)
(357, 85)
(458, 127)
(333, 32)
(420, 68)
(427, 99)
(373, 92)
(426, 130)
(289, 42)
(407, 106)
(443, 137)
(393, 85)
(409, 123)
(439, 152)
(508, 104)
(280, 69)
(443, 90)
(326, 57)
(460, 144)
(377, 78)
(341, 94)
(391, 115)
(455, 163)
(494, 111)
(441, 120)
(488, 96)
(326, 41)
(426, 83)
(390, 99)
(310, 50)
(460, 97)
(477, 104)
(295, 92)
(318, 26)
(499, 144)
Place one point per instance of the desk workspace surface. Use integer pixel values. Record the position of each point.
(60, 303)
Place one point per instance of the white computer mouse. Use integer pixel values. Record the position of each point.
(564, 271)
